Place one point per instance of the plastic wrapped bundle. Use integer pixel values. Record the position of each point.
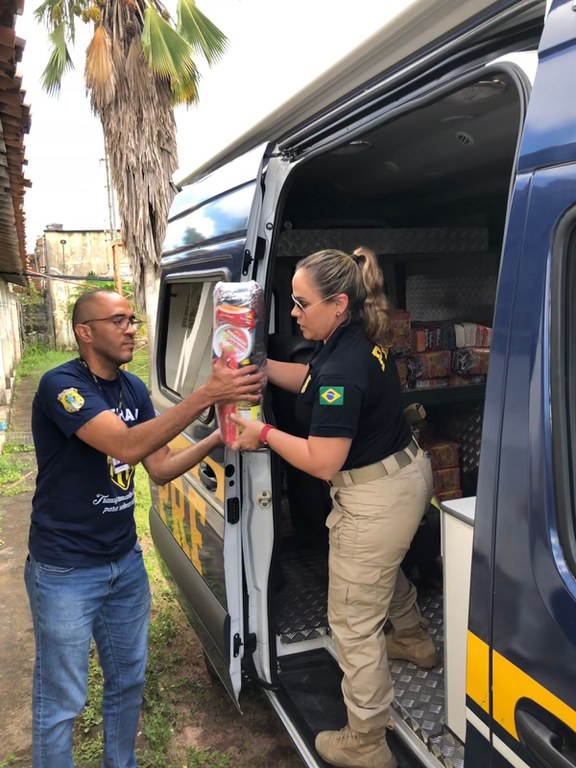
(470, 362)
(238, 332)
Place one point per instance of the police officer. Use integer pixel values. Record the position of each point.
(381, 485)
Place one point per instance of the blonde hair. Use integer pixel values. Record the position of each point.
(359, 277)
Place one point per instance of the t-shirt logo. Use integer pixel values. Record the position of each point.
(71, 399)
(120, 473)
(331, 395)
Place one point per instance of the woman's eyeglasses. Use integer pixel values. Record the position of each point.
(303, 307)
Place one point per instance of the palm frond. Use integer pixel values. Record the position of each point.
(56, 12)
(166, 52)
(99, 71)
(200, 32)
(185, 90)
(58, 63)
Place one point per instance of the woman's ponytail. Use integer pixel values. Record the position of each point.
(376, 314)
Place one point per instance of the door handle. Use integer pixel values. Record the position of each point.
(552, 743)
(207, 476)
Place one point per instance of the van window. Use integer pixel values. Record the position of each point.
(188, 334)
(223, 216)
(563, 384)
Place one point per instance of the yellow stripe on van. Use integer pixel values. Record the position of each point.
(477, 671)
(512, 684)
(179, 443)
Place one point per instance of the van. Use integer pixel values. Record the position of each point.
(447, 144)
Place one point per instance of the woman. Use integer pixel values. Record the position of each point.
(381, 485)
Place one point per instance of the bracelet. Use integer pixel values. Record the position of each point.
(265, 429)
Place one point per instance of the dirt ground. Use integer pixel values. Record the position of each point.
(205, 717)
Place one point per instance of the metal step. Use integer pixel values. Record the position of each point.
(301, 605)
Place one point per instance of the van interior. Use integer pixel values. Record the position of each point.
(426, 186)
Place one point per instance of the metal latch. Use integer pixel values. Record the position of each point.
(233, 510)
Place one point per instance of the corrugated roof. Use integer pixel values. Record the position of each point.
(14, 124)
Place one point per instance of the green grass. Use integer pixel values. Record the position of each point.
(38, 358)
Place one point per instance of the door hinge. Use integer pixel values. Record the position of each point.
(248, 259)
(236, 645)
(233, 510)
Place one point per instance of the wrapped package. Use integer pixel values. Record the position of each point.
(402, 372)
(441, 381)
(238, 332)
(472, 335)
(446, 479)
(400, 339)
(455, 493)
(443, 454)
(427, 336)
(429, 365)
(471, 361)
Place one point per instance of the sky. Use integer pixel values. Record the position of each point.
(275, 49)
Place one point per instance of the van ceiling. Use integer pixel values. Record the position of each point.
(448, 160)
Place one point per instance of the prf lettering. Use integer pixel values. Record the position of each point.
(381, 355)
(182, 512)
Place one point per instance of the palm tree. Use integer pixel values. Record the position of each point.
(139, 65)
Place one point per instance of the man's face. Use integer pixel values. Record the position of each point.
(111, 331)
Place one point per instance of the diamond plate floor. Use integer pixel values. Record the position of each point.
(419, 693)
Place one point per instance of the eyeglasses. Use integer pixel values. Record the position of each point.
(302, 308)
(122, 322)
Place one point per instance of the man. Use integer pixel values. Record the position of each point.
(85, 576)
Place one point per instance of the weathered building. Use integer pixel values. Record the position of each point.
(14, 124)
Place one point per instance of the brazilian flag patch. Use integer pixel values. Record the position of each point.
(331, 395)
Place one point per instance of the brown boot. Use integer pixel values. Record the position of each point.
(351, 749)
(413, 644)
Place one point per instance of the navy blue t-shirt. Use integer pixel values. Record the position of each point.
(83, 507)
(353, 390)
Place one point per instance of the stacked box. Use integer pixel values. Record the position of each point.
(446, 479)
(445, 461)
(400, 332)
(431, 383)
(472, 335)
(402, 371)
(427, 336)
(471, 361)
(443, 454)
(456, 493)
(430, 365)
(466, 381)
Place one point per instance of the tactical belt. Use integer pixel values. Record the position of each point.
(387, 466)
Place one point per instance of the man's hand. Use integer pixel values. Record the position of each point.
(228, 384)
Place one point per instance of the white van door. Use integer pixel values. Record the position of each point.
(196, 521)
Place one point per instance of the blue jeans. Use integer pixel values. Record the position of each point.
(69, 606)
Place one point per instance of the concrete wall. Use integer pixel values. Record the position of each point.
(10, 339)
(71, 257)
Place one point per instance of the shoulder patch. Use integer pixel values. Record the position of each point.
(331, 396)
(71, 399)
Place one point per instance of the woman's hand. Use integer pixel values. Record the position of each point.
(248, 434)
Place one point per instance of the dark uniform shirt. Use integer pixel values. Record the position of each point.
(352, 390)
(83, 508)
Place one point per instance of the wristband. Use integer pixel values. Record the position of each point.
(265, 429)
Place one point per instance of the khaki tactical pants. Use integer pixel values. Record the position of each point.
(371, 527)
